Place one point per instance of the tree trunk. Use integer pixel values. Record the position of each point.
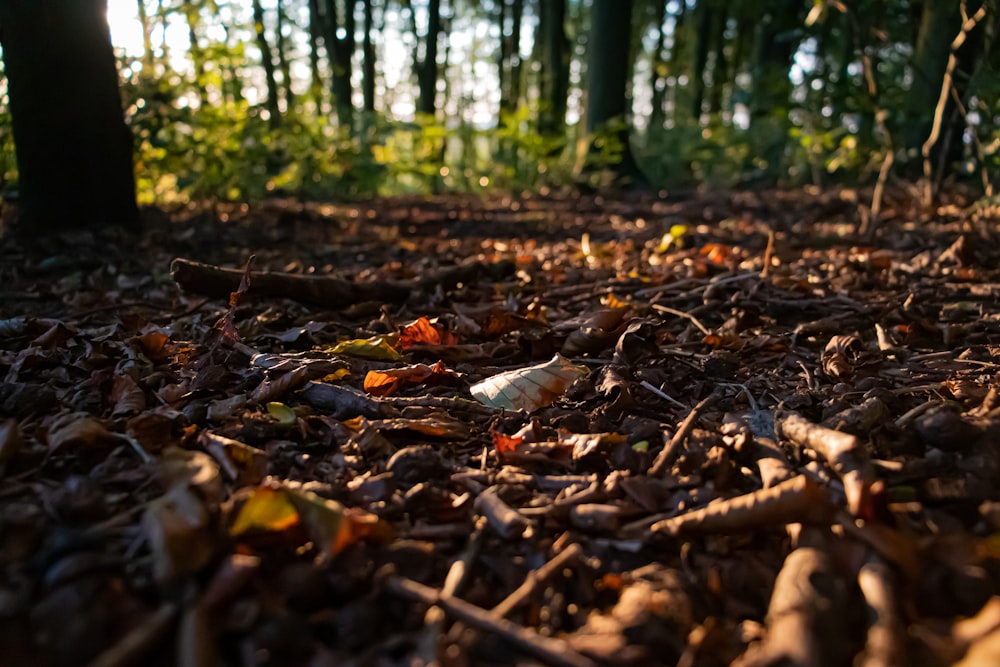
(315, 36)
(608, 76)
(197, 54)
(341, 51)
(427, 69)
(283, 63)
(368, 63)
(939, 23)
(703, 22)
(720, 66)
(74, 151)
(657, 76)
(148, 59)
(555, 67)
(267, 59)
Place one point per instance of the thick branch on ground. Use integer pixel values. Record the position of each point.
(326, 291)
(806, 616)
(841, 450)
(799, 500)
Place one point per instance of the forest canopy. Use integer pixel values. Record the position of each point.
(238, 99)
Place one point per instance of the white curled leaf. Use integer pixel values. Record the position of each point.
(529, 388)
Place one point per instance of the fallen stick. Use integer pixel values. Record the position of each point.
(885, 644)
(326, 291)
(549, 649)
(536, 578)
(670, 451)
(799, 500)
(843, 451)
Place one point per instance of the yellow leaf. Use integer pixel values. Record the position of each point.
(282, 414)
(268, 509)
(377, 348)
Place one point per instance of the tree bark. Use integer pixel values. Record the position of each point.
(608, 76)
(283, 63)
(939, 23)
(427, 69)
(315, 36)
(368, 63)
(267, 59)
(657, 78)
(195, 50)
(555, 67)
(148, 59)
(340, 51)
(74, 151)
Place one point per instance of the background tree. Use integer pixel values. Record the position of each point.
(607, 90)
(267, 59)
(74, 151)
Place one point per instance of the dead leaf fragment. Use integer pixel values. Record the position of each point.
(177, 527)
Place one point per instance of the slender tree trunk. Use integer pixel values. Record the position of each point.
(368, 63)
(341, 51)
(232, 86)
(427, 68)
(74, 151)
(675, 58)
(703, 34)
(510, 54)
(555, 67)
(197, 53)
(657, 78)
(720, 65)
(267, 60)
(283, 63)
(148, 58)
(315, 37)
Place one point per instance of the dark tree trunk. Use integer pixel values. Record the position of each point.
(74, 151)
(283, 63)
(555, 66)
(608, 75)
(939, 23)
(267, 59)
(510, 55)
(368, 63)
(427, 68)
(703, 23)
(340, 51)
(657, 78)
(720, 66)
(315, 37)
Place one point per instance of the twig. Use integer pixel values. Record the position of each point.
(667, 455)
(549, 649)
(681, 313)
(131, 648)
(885, 645)
(459, 570)
(659, 392)
(535, 578)
(504, 520)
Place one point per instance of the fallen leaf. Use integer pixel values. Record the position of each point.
(529, 388)
(377, 348)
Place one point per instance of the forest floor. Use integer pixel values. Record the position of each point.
(701, 430)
